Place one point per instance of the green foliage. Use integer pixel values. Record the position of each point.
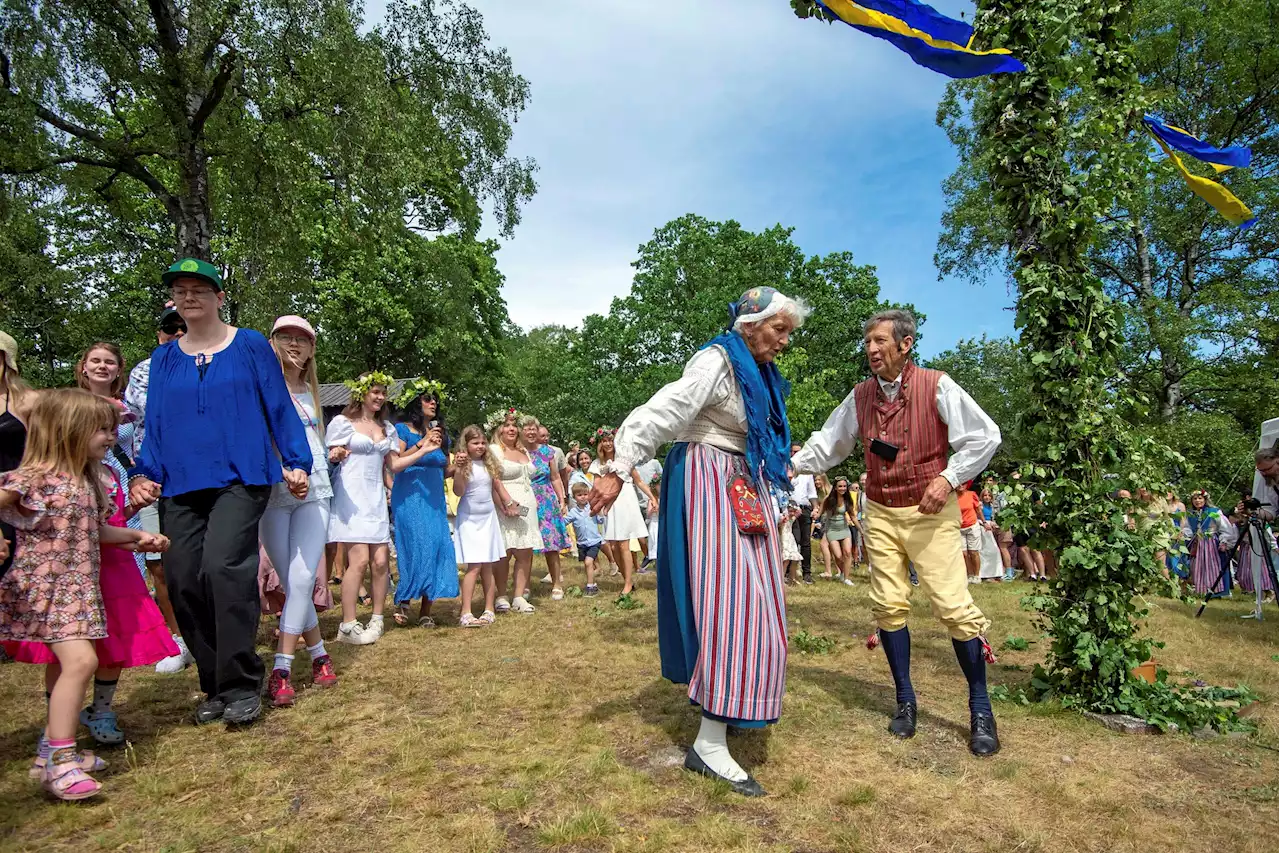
(1015, 644)
(813, 644)
(996, 376)
(627, 601)
(335, 169)
(685, 278)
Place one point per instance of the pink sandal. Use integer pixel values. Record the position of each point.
(89, 762)
(64, 779)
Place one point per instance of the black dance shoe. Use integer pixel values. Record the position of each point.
(982, 735)
(210, 711)
(748, 787)
(903, 724)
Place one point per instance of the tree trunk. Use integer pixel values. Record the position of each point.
(193, 226)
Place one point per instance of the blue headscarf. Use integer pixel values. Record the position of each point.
(764, 393)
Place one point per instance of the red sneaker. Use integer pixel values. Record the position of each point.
(279, 690)
(322, 672)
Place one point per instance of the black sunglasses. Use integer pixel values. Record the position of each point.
(173, 328)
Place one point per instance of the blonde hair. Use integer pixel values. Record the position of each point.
(117, 384)
(59, 426)
(495, 437)
(578, 488)
(308, 376)
(11, 382)
(490, 461)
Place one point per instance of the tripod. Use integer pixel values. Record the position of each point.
(1251, 530)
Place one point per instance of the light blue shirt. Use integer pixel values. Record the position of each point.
(586, 527)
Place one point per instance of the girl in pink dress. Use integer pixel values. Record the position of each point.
(52, 606)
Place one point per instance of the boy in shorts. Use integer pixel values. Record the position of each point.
(586, 528)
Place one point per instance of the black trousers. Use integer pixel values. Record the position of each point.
(212, 570)
(802, 529)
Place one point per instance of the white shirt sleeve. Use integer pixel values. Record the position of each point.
(1228, 533)
(973, 436)
(1264, 493)
(669, 411)
(832, 444)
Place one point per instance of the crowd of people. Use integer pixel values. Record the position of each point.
(210, 470)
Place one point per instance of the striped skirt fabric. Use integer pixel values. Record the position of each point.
(1245, 568)
(735, 586)
(1206, 565)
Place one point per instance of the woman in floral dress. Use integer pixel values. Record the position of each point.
(548, 488)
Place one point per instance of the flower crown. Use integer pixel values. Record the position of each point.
(603, 433)
(360, 387)
(420, 387)
(500, 417)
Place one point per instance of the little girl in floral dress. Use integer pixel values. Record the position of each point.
(58, 500)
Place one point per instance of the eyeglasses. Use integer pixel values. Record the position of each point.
(293, 339)
(198, 292)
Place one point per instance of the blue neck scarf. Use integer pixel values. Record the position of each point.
(764, 391)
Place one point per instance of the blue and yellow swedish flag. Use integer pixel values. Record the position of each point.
(1219, 197)
(930, 38)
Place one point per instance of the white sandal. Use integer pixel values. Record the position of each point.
(557, 594)
(521, 605)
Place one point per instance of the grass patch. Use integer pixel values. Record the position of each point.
(811, 644)
(590, 824)
(554, 731)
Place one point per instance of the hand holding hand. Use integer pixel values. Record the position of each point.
(152, 543)
(511, 510)
(935, 496)
(297, 480)
(4, 549)
(460, 462)
(604, 491)
(143, 492)
(433, 440)
(338, 454)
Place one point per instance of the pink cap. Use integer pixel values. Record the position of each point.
(293, 321)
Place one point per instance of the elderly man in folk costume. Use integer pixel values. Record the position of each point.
(909, 419)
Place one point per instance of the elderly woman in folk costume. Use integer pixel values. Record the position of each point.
(721, 614)
(1206, 531)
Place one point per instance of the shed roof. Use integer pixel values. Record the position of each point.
(338, 394)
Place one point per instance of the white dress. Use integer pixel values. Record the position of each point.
(522, 530)
(479, 530)
(359, 508)
(319, 487)
(625, 520)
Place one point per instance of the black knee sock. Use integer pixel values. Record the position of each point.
(897, 648)
(970, 655)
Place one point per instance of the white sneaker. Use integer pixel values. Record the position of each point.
(353, 635)
(848, 582)
(520, 605)
(176, 663)
(975, 580)
(374, 629)
(547, 579)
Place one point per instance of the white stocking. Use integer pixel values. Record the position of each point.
(713, 749)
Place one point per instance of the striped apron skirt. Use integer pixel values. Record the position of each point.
(1250, 560)
(1206, 565)
(722, 626)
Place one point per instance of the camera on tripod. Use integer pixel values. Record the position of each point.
(1252, 504)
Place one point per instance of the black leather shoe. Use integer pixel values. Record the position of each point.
(982, 735)
(244, 711)
(903, 724)
(210, 711)
(748, 787)
(808, 579)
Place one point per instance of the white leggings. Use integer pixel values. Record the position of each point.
(294, 537)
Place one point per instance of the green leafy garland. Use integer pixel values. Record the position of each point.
(360, 386)
(415, 388)
(1080, 84)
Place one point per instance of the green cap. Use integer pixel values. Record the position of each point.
(194, 268)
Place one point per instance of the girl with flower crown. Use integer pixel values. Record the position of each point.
(364, 445)
(625, 521)
(424, 548)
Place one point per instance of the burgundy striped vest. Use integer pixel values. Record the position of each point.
(912, 423)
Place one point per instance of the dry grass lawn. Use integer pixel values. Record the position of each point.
(555, 732)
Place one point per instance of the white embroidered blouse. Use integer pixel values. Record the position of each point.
(704, 405)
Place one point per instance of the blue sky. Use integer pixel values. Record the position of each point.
(731, 109)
